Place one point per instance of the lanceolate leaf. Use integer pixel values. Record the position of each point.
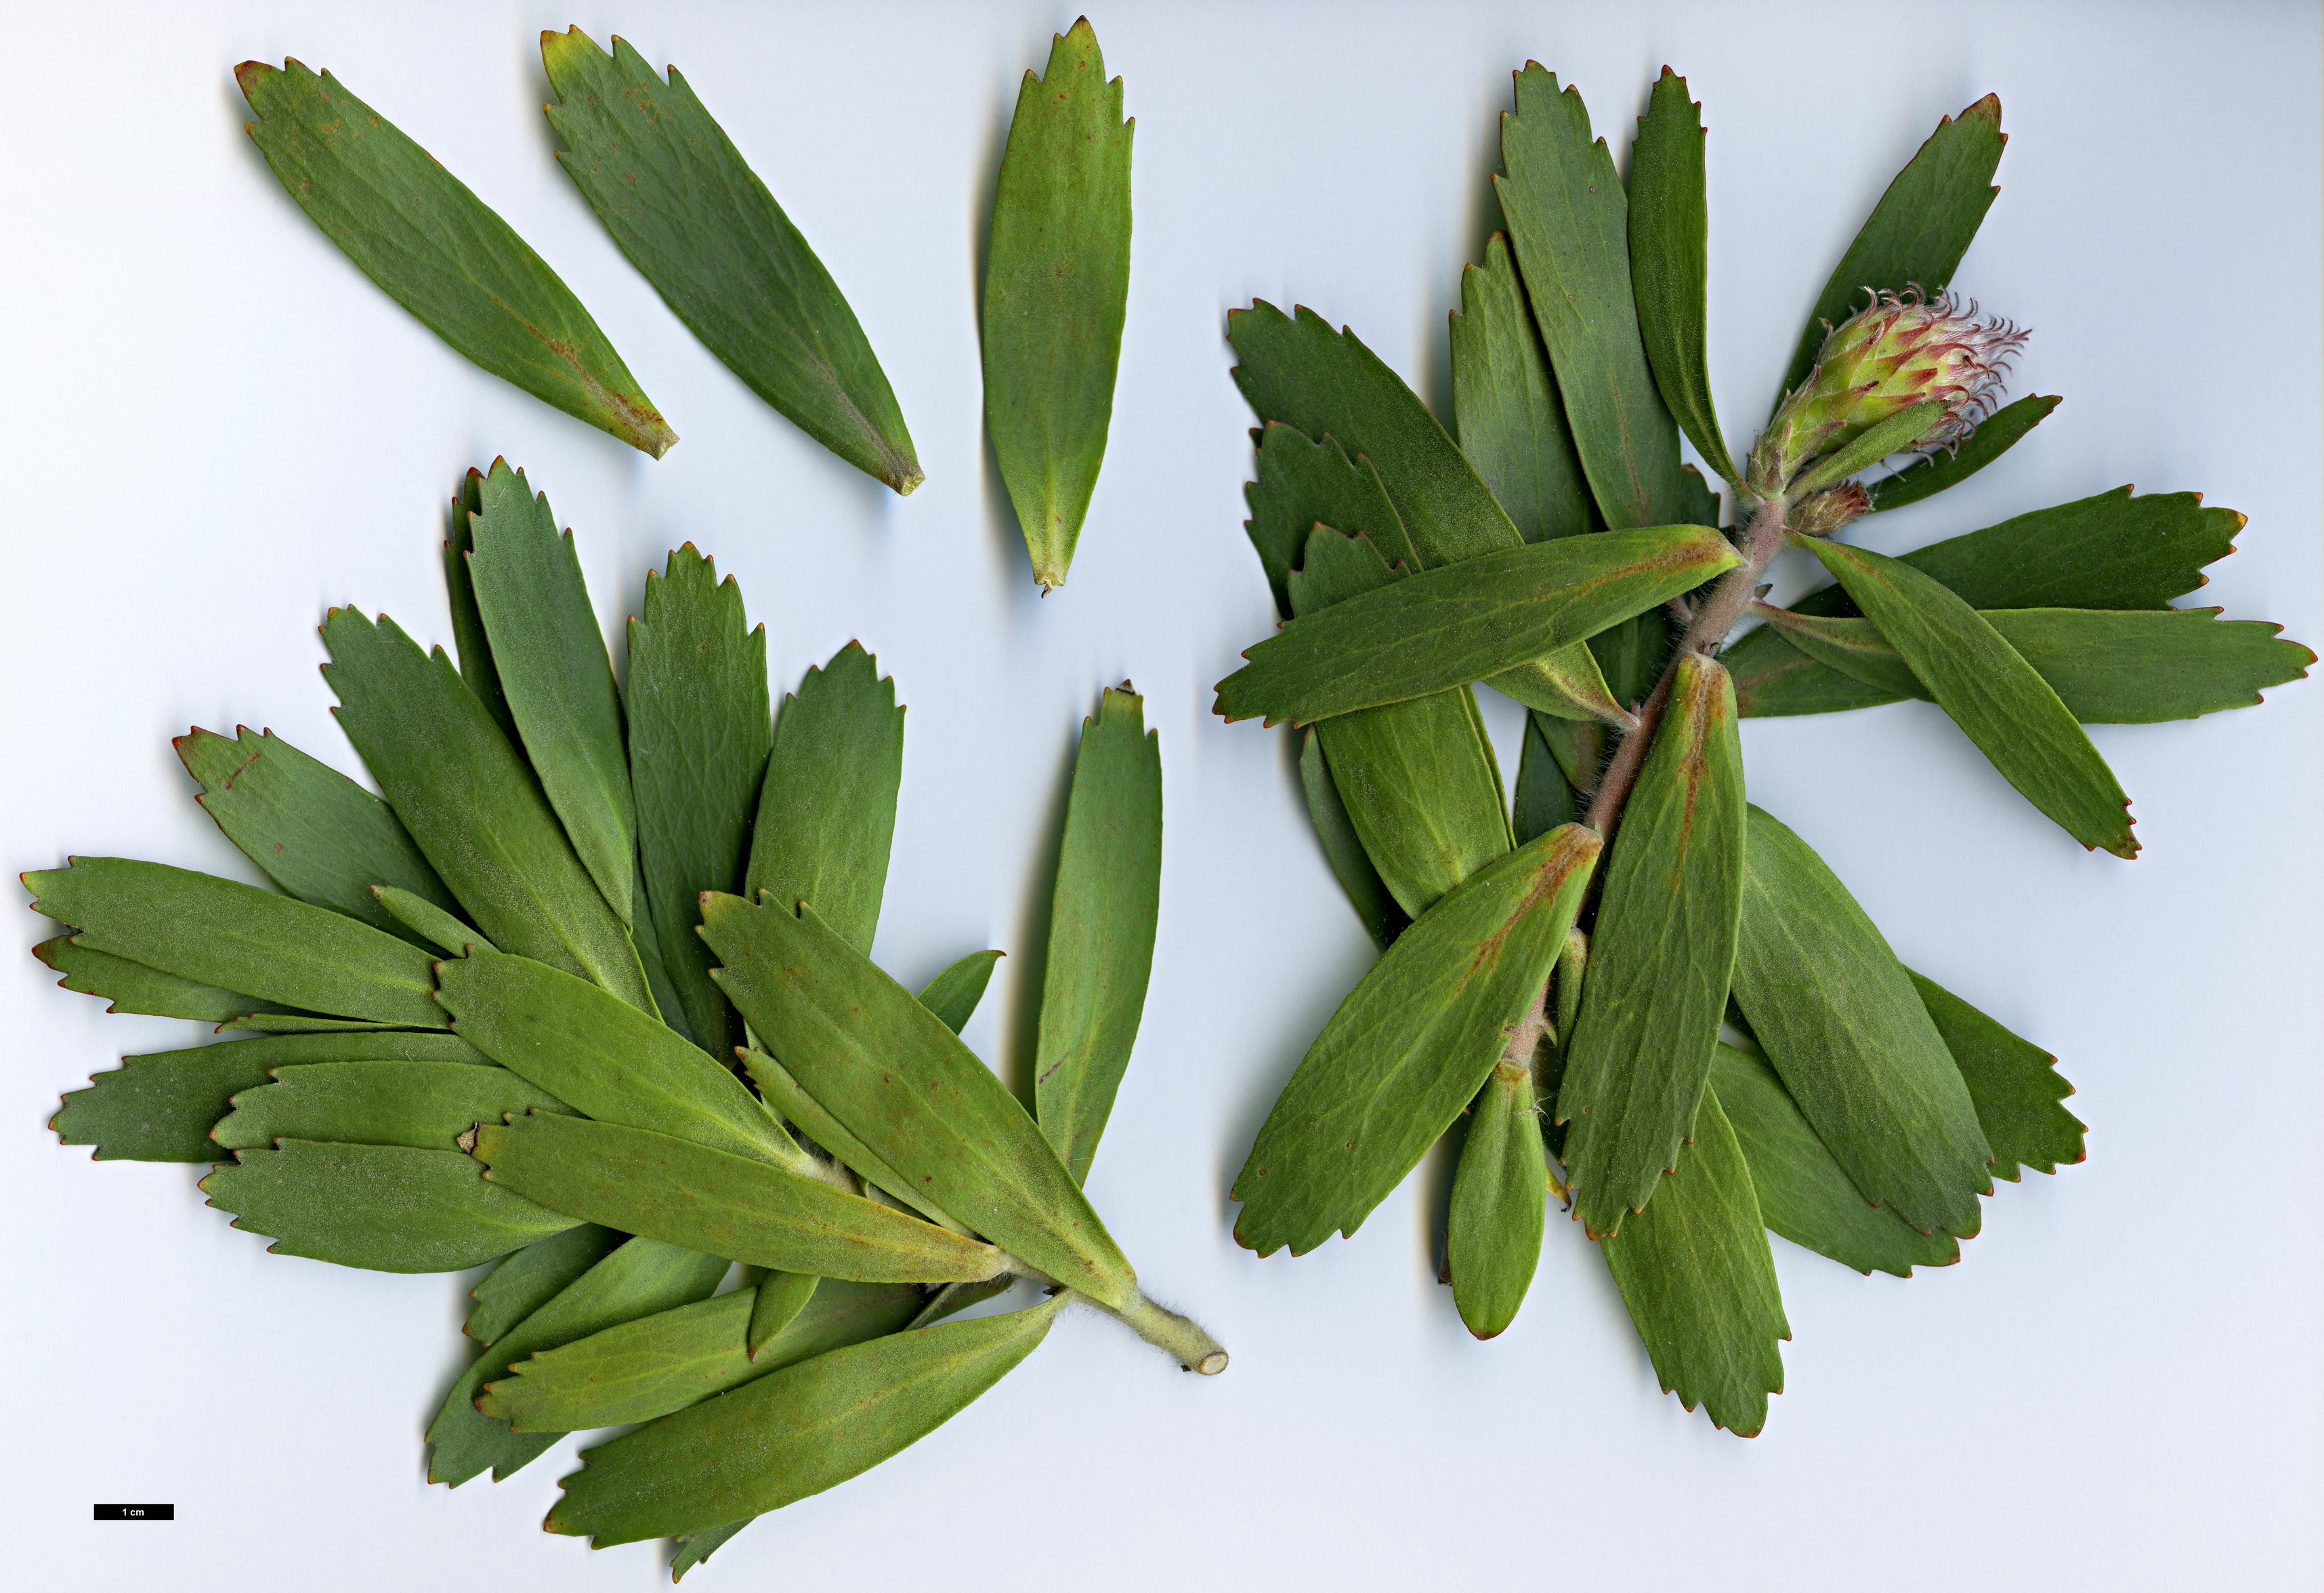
(1660, 957)
(1995, 695)
(159, 1107)
(1410, 1046)
(1773, 677)
(1448, 627)
(1838, 1018)
(792, 1434)
(678, 198)
(1101, 921)
(954, 993)
(779, 1297)
(1918, 232)
(1568, 222)
(1343, 848)
(1669, 235)
(237, 937)
(314, 832)
(783, 1094)
(468, 622)
(520, 1284)
(1505, 406)
(655, 1365)
(828, 812)
(1056, 287)
(723, 1204)
(1545, 799)
(559, 680)
(429, 924)
(2015, 1083)
(385, 1207)
(1804, 1194)
(1947, 467)
(641, 1278)
(132, 987)
(438, 250)
(426, 1105)
(469, 801)
(1499, 1204)
(1693, 1268)
(700, 728)
(889, 1071)
(1302, 484)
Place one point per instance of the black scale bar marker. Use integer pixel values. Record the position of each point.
(136, 1513)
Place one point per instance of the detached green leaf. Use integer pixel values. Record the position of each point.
(1694, 1270)
(722, 1204)
(1057, 286)
(700, 730)
(1993, 695)
(1568, 222)
(1500, 1202)
(1660, 957)
(1506, 405)
(1804, 1194)
(700, 226)
(426, 1105)
(1448, 627)
(237, 937)
(1410, 1046)
(315, 832)
(1838, 1018)
(1101, 923)
(954, 993)
(520, 1284)
(1948, 468)
(159, 1107)
(441, 252)
(827, 813)
(1302, 484)
(891, 1071)
(1917, 234)
(132, 987)
(471, 803)
(2015, 1084)
(388, 1208)
(793, 1434)
(1670, 263)
(1343, 848)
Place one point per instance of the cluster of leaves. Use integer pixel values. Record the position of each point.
(1688, 1014)
(497, 1010)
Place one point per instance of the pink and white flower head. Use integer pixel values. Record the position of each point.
(1900, 351)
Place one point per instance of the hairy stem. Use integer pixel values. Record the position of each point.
(1180, 1336)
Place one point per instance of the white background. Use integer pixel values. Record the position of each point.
(214, 427)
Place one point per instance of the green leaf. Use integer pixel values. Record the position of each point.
(426, 1105)
(828, 812)
(429, 924)
(275, 1021)
(891, 1071)
(1057, 286)
(783, 1094)
(389, 1208)
(1499, 1207)
(1774, 678)
(719, 1203)
(1948, 468)
(613, 1062)
(641, 1278)
(237, 937)
(1899, 432)
(1804, 1194)
(159, 1107)
(954, 993)
(1993, 695)
(467, 797)
(1505, 406)
(2015, 1083)
(1670, 261)
(559, 678)
(1660, 957)
(700, 226)
(1448, 627)
(689, 1550)
(1335, 828)
(1302, 484)
(1917, 234)
(315, 832)
(1569, 223)
(1837, 1017)
(1545, 800)
(792, 1434)
(700, 730)
(441, 252)
(646, 1369)
(520, 1284)
(1694, 1270)
(132, 987)
(467, 623)
(778, 1298)
(1410, 1046)
(1102, 922)
(1417, 779)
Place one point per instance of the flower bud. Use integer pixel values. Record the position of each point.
(1820, 514)
(1897, 352)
